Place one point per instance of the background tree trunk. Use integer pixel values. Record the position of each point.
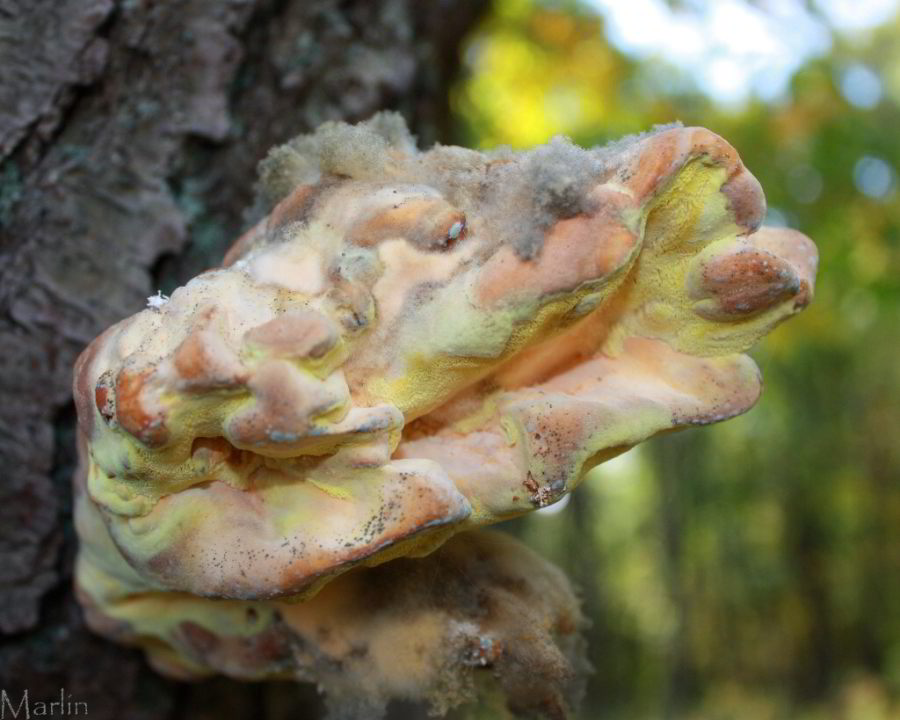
(129, 135)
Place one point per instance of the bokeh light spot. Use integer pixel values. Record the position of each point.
(861, 86)
(873, 177)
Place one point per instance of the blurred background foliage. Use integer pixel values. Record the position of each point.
(749, 570)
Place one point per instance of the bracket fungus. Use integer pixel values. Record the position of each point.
(412, 344)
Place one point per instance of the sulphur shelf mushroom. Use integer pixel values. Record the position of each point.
(412, 345)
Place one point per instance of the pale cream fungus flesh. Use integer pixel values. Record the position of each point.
(412, 344)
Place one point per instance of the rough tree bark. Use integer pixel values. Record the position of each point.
(129, 135)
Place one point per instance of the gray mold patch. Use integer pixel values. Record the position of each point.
(515, 196)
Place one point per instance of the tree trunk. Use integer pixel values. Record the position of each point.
(129, 135)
